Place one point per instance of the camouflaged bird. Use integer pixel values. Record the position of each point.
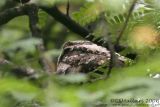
(84, 56)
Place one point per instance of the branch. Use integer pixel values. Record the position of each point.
(65, 20)
(18, 71)
(10, 14)
(75, 27)
(68, 22)
(36, 32)
(33, 21)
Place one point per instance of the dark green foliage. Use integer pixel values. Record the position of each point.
(22, 1)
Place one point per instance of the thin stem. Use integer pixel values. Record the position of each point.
(67, 8)
(126, 22)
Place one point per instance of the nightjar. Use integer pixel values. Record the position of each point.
(83, 57)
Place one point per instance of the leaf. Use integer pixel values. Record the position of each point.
(27, 45)
(12, 91)
(139, 89)
(73, 78)
(88, 13)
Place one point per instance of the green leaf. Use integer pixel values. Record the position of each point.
(88, 13)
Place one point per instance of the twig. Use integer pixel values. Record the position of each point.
(97, 79)
(67, 8)
(113, 57)
(126, 23)
(112, 60)
(36, 32)
(19, 71)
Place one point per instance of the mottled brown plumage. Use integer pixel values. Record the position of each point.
(83, 56)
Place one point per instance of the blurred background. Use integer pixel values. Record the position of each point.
(139, 81)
